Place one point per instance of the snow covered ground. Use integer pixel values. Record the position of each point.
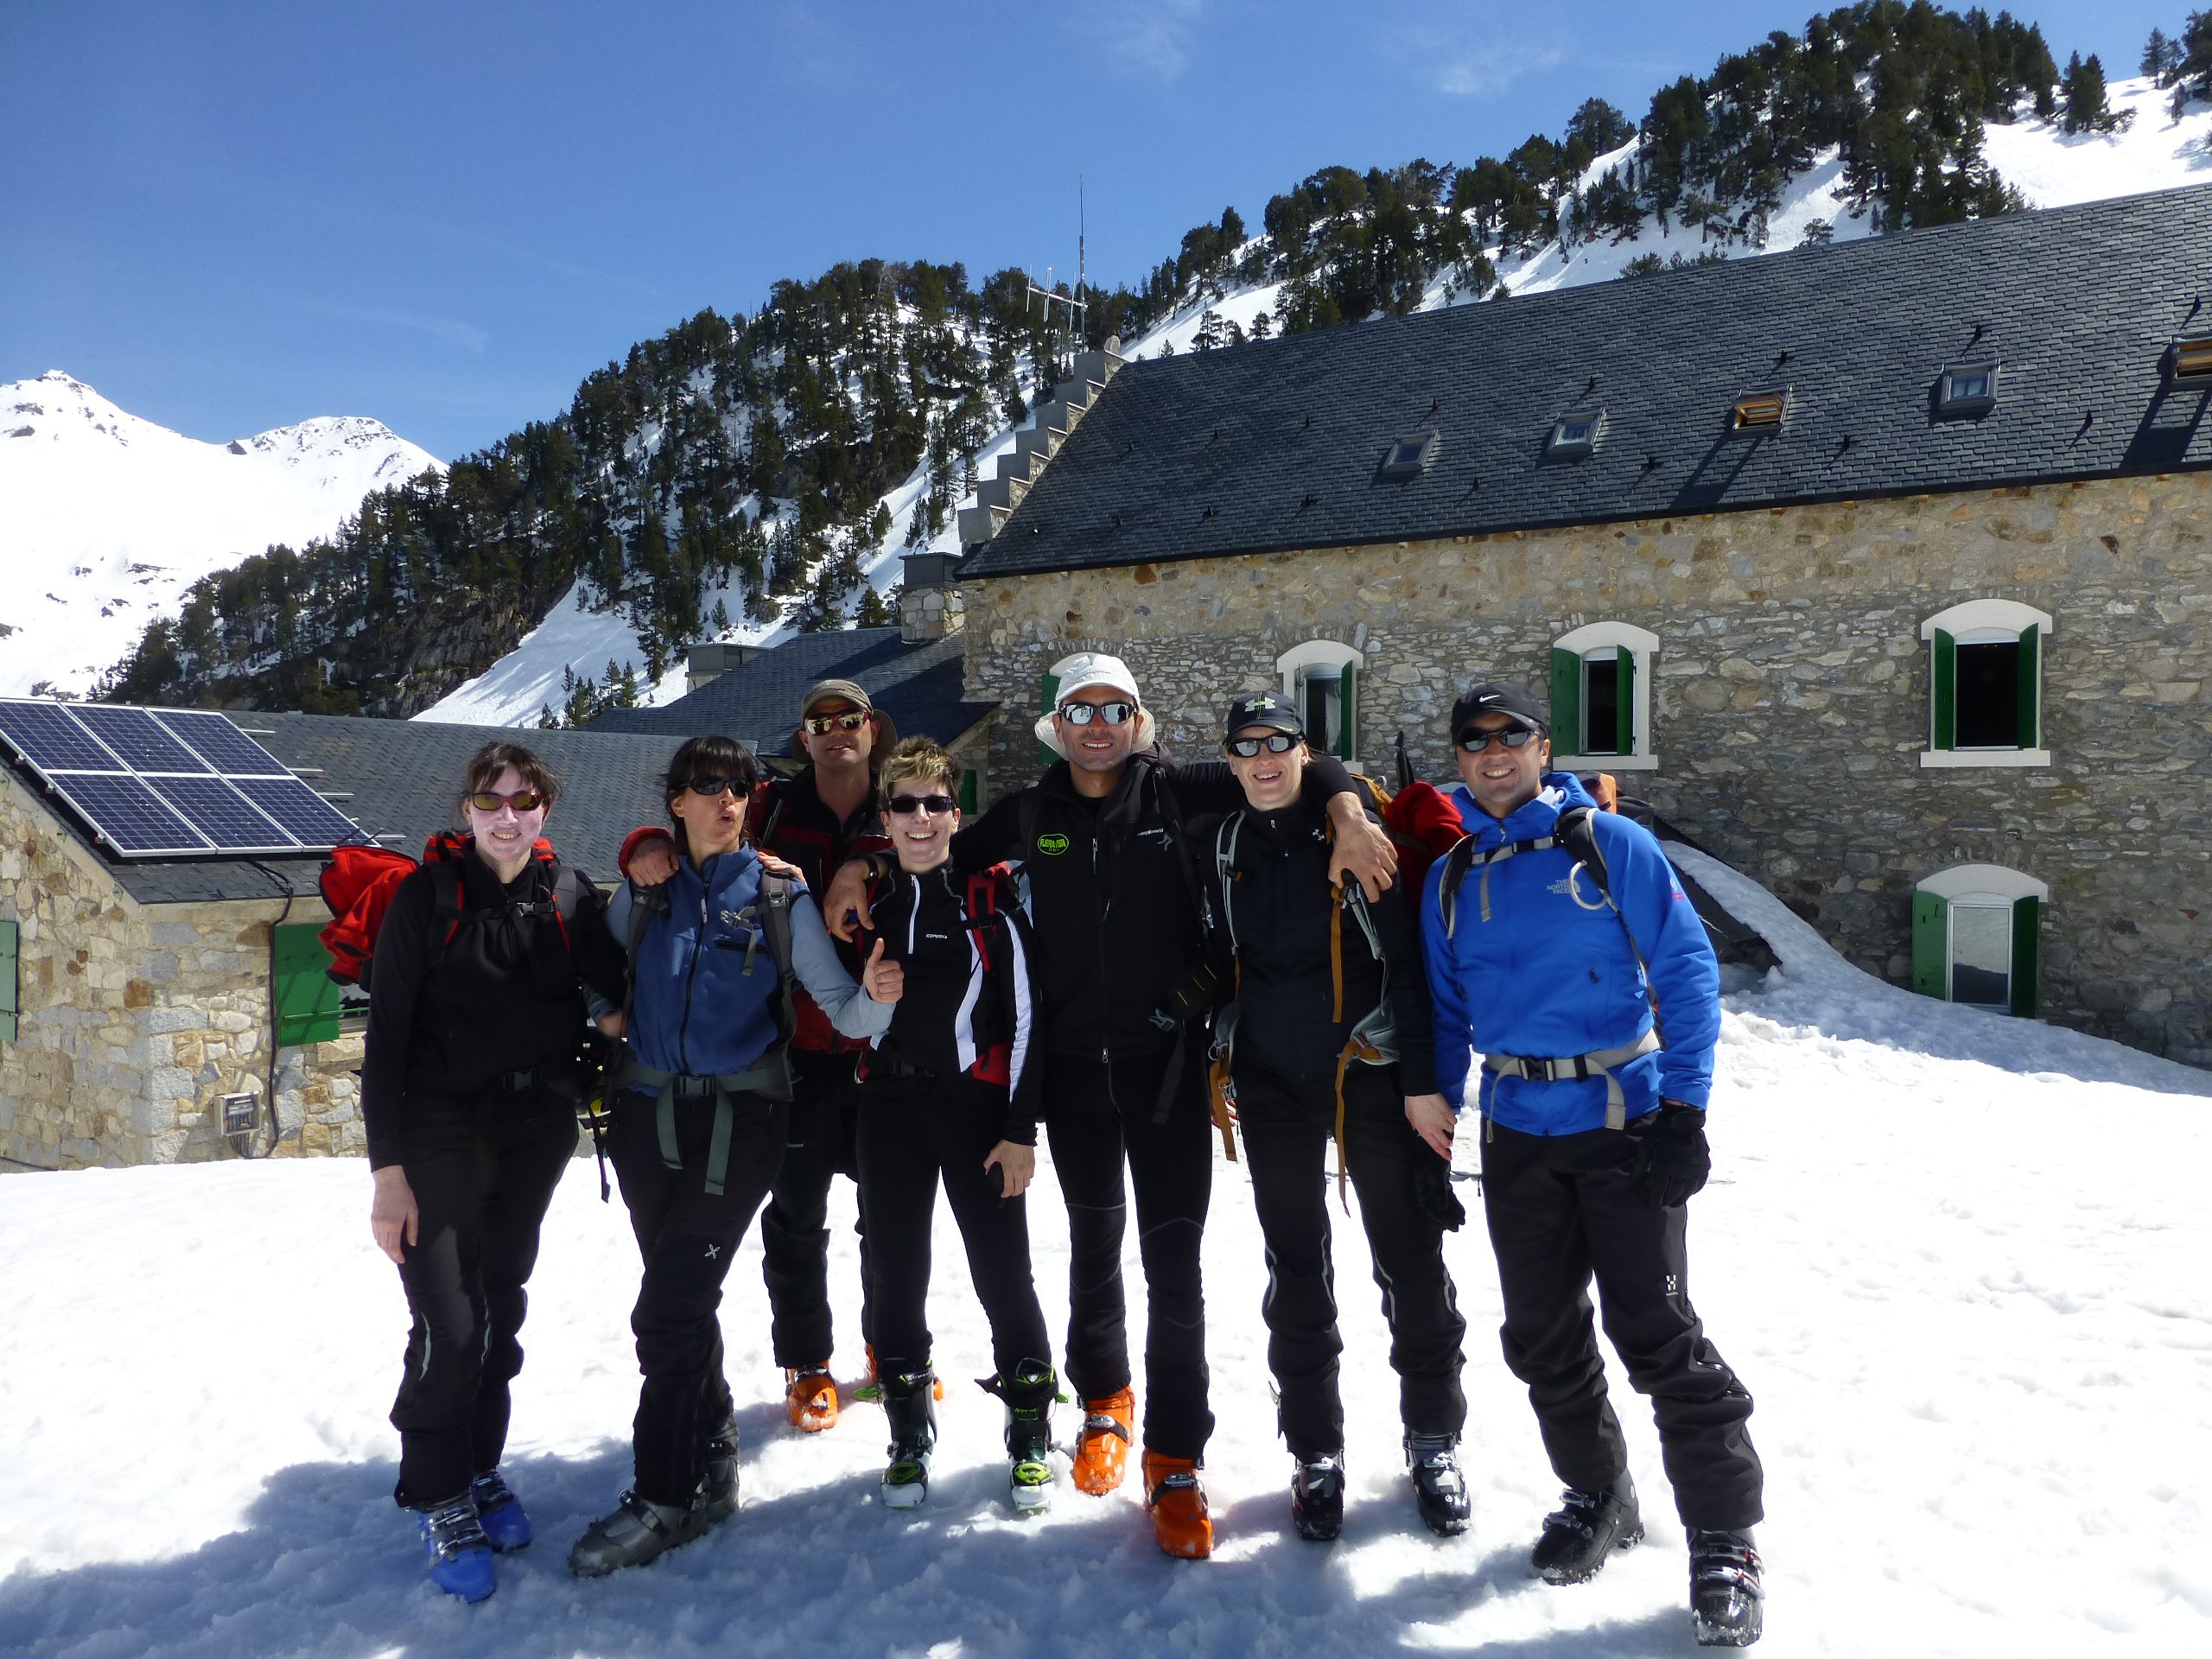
(1958, 1258)
(106, 519)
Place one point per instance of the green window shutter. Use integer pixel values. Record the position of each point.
(10, 1000)
(2031, 686)
(2027, 952)
(1624, 714)
(968, 791)
(1567, 700)
(1348, 712)
(306, 995)
(1046, 703)
(1943, 693)
(1931, 946)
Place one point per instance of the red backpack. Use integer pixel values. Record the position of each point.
(357, 883)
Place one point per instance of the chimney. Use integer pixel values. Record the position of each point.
(713, 658)
(929, 603)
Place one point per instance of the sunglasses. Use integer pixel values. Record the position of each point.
(821, 724)
(1273, 743)
(937, 806)
(711, 787)
(1082, 714)
(1513, 737)
(523, 800)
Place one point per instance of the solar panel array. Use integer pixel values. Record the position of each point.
(169, 783)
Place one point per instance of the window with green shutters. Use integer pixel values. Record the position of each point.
(1601, 698)
(1322, 676)
(1985, 684)
(10, 981)
(306, 997)
(1976, 937)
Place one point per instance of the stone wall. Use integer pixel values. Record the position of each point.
(136, 1019)
(1790, 698)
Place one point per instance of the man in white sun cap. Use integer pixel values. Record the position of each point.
(1115, 894)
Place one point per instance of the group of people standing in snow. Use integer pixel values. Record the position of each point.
(1130, 953)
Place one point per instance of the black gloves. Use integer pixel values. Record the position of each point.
(1432, 1192)
(1671, 1159)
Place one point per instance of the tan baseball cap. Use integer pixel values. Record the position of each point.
(823, 690)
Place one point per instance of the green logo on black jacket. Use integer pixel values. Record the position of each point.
(1052, 845)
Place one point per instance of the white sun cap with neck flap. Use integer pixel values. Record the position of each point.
(1082, 671)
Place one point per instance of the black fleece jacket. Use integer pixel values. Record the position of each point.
(503, 995)
(1288, 1022)
(1112, 896)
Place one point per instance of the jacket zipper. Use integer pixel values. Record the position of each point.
(692, 974)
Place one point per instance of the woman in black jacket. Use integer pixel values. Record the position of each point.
(1332, 1041)
(951, 1094)
(468, 1093)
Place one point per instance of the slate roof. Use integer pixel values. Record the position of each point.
(1277, 444)
(917, 685)
(399, 779)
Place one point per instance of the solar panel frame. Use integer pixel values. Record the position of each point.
(125, 811)
(141, 742)
(231, 823)
(220, 792)
(291, 803)
(52, 738)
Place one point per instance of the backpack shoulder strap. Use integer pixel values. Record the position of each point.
(1456, 863)
(775, 922)
(1171, 809)
(1224, 866)
(445, 903)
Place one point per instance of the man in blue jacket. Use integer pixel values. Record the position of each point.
(1553, 938)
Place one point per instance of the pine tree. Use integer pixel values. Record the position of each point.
(2160, 57)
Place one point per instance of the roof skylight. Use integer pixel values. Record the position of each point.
(1758, 409)
(1575, 436)
(2191, 360)
(1967, 389)
(1408, 457)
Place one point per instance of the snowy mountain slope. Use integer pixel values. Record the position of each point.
(2050, 169)
(106, 518)
(1957, 1258)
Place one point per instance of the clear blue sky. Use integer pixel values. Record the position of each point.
(443, 213)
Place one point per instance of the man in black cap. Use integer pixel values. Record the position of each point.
(1563, 953)
(1329, 1039)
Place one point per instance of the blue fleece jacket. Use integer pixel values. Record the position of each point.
(1552, 973)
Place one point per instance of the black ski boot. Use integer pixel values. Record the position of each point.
(1587, 1527)
(1028, 1395)
(1317, 1498)
(910, 1406)
(1727, 1602)
(1439, 1487)
(718, 1481)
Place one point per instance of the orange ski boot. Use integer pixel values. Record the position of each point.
(1178, 1504)
(1103, 1446)
(811, 1397)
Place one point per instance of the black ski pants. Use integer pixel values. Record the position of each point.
(1287, 1129)
(686, 1237)
(1094, 1128)
(1564, 1209)
(483, 1173)
(795, 1226)
(916, 1131)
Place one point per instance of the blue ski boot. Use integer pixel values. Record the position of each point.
(499, 1512)
(459, 1555)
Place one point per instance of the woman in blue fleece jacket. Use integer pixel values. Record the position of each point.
(1595, 1008)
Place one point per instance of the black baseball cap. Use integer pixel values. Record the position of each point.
(1269, 709)
(1507, 697)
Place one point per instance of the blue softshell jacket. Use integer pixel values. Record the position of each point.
(696, 1009)
(1552, 973)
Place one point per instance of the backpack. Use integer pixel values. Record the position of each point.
(979, 909)
(357, 883)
